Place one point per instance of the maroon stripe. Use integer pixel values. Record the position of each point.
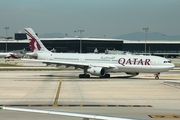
(29, 34)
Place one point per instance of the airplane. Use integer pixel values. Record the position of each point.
(18, 53)
(7, 55)
(14, 54)
(98, 64)
(69, 114)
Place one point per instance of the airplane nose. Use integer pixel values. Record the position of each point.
(172, 66)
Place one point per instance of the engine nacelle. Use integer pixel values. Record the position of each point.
(98, 71)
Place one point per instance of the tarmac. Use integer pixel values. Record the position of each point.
(140, 97)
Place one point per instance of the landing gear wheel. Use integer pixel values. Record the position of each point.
(80, 75)
(105, 76)
(87, 76)
(84, 76)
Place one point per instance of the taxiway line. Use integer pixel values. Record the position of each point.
(55, 104)
(164, 116)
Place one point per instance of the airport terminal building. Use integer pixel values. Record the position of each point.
(89, 45)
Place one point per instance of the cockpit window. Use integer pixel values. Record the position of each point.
(167, 61)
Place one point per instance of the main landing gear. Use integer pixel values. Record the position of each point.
(85, 75)
(88, 76)
(105, 76)
(157, 76)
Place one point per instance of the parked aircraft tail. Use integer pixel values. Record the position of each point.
(34, 42)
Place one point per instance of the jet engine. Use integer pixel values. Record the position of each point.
(98, 71)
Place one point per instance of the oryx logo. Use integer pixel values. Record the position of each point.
(34, 45)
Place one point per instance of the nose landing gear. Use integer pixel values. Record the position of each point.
(157, 76)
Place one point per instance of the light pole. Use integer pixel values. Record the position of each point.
(80, 42)
(6, 36)
(146, 30)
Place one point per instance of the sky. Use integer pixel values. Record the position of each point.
(98, 18)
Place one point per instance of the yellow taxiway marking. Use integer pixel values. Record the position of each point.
(57, 94)
(164, 116)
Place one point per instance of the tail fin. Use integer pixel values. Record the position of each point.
(35, 44)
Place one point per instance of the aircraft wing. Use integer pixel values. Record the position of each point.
(69, 114)
(76, 64)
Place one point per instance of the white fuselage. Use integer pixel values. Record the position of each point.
(119, 63)
(98, 64)
(5, 55)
